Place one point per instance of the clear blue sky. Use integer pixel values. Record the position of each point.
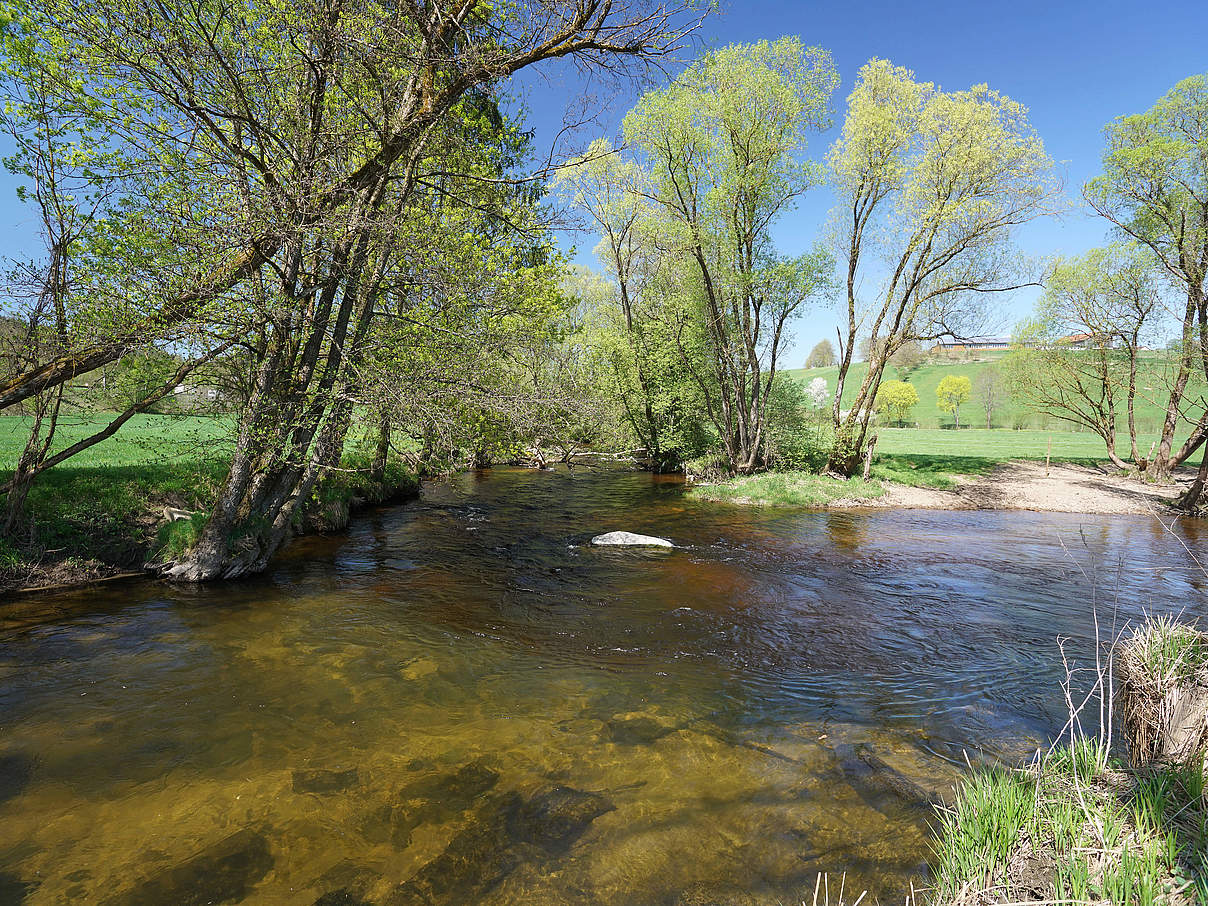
(1074, 65)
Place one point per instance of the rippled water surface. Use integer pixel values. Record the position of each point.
(461, 701)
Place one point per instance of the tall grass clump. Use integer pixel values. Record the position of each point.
(1163, 696)
(1081, 825)
(979, 833)
(788, 489)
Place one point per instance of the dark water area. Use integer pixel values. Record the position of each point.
(461, 701)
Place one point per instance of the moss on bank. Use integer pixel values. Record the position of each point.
(787, 489)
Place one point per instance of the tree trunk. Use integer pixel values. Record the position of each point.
(1190, 501)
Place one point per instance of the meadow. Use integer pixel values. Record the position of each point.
(1011, 414)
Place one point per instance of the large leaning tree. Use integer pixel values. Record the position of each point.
(930, 186)
(295, 132)
(1154, 189)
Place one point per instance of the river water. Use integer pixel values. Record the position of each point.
(462, 701)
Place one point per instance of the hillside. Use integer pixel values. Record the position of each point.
(1011, 414)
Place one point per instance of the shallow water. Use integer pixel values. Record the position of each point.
(461, 701)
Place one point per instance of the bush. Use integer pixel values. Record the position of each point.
(798, 434)
(712, 466)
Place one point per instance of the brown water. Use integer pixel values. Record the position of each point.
(460, 701)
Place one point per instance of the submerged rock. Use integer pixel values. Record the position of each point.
(13, 890)
(710, 895)
(16, 768)
(873, 779)
(324, 781)
(630, 539)
(634, 731)
(224, 872)
(342, 897)
(476, 860)
(437, 799)
(556, 818)
(509, 831)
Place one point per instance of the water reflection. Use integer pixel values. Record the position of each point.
(462, 701)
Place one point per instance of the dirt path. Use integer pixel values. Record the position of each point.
(1030, 486)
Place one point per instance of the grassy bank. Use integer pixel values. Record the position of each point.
(101, 512)
(1082, 826)
(787, 489)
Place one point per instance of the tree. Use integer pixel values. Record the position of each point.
(953, 390)
(822, 355)
(1107, 296)
(895, 399)
(818, 392)
(1154, 189)
(870, 348)
(907, 359)
(102, 266)
(991, 391)
(935, 182)
(721, 152)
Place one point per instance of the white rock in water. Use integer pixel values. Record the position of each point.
(629, 539)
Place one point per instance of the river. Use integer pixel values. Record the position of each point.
(462, 701)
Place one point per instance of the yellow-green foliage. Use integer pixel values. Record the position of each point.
(951, 392)
(895, 399)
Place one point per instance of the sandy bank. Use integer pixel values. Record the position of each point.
(1026, 485)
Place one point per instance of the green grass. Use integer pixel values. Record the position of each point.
(143, 439)
(1002, 445)
(105, 504)
(1110, 835)
(1078, 825)
(934, 457)
(787, 489)
(1170, 651)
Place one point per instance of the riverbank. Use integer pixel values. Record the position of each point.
(1081, 825)
(1019, 485)
(111, 511)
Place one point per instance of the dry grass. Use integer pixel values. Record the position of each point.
(1162, 698)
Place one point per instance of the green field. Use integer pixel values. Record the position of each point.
(145, 439)
(104, 506)
(1000, 444)
(1011, 414)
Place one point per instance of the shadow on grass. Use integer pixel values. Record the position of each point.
(102, 511)
(929, 470)
(939, 470)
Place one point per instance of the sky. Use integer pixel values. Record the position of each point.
(1075, 65)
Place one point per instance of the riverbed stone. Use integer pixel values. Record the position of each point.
(341, 897)
(629, 730)
(223, 872)
(319, 780)
(630, 539)
(436, 799)
(507, 831)
(476, 860)
(717, 895)
(554, 819)
(13, 890)
(16, 769)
